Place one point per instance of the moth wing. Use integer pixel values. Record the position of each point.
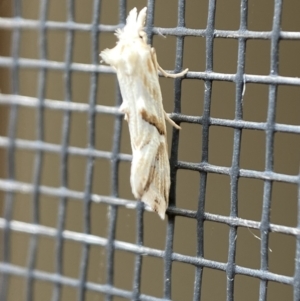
(150, 174)
(157, 195)
(150, 171)
(142, 105)
(153, 104)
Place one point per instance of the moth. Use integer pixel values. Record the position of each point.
(137, 71)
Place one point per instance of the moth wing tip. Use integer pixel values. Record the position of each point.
(161, 210)
(162, 214)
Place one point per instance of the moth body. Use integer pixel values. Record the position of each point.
(137, 71)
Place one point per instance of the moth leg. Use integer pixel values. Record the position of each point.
(154, 58)
(171, 121)
(124, 109)
(166, 74)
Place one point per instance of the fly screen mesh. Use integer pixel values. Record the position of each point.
(70, 227)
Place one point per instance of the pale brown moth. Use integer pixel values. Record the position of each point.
(137, 71)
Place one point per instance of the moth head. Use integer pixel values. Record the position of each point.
(134, 28)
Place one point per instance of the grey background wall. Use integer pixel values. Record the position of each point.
(287, 155)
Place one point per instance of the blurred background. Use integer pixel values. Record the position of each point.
(23, 123)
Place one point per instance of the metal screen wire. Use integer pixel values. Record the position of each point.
(13, 188)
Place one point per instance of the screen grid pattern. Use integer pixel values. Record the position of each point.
(10, 186)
